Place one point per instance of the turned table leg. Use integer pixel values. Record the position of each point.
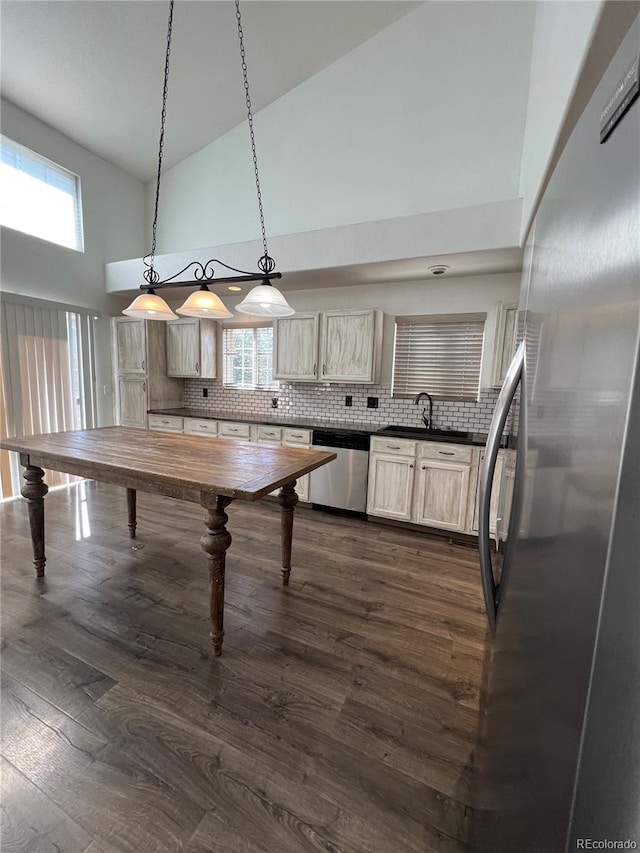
(287, 500)
(131, 512)
(215, 543)
(34, 491)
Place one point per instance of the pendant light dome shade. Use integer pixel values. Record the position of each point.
(265, 300)
(204, 303)
(149, 306)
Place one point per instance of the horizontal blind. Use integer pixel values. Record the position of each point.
(39, 197)
(440, 354)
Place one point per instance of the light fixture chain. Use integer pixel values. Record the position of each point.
(251, 132)
(161, 142)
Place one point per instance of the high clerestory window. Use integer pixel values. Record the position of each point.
(38, 197)
(440, 354)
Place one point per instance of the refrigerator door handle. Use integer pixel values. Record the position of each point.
(487, 469)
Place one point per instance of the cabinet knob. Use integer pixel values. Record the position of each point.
(410, 466)
(424, 467)
(197, 366)
(142, 366)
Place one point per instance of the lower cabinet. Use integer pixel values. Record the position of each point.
(131, 401)
(441, 494)
(390, 486)
(293, 437)
(410, 481)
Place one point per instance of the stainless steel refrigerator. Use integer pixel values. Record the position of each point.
(559, 761)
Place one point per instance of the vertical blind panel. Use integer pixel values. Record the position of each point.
(442, 356)
(47, 378)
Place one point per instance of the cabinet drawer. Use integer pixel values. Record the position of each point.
(270, 433)
(195, 426)
(168, 423)
(229, 429)
(440, 450)
(297, 436)
(393, 445)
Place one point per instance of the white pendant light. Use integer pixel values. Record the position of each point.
(204, 303)
(265, 300)
(149, 306)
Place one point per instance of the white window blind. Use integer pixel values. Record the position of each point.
(46, 377)
(438, 353)
(248, 357)
(38, 197)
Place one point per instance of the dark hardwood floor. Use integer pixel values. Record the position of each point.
(341, 716)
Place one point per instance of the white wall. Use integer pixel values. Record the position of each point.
(562, 36)
(114, 227)
(428, 115)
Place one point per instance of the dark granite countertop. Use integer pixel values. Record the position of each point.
(475, 439)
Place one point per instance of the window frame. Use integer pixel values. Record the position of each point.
(273, 385)
(32, 163)
(458, 390)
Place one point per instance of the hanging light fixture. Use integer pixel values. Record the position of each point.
(264, 300)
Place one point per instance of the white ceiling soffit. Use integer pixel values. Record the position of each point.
(93, 70)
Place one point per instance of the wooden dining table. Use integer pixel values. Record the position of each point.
(209, 471)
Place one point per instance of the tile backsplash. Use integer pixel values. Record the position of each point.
(326, 402)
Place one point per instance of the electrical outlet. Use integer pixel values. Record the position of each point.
(274, 402)
(348, 400)
(372, 402)
(205, 392)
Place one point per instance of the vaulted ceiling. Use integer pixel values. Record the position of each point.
(93, 70)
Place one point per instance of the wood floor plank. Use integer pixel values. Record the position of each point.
(341, 717)
(31, 823)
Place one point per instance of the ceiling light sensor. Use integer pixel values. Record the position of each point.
(438, 269)
(264, 300)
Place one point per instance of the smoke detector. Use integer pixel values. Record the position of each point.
(438, 269)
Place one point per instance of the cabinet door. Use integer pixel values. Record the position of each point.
(495, 495)
(295, 347)
(183, 347)
(349, 342)
(132, 401)
(441, 499)
(131, 345)
(390, 486)
(506, 325)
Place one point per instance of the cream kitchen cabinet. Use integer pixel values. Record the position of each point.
(496, 488)
(505, 341)
(333, 346)
(233, 429)
(166, 423)
(351, 343)
(130, 337)
(138, 351)
(295, 348)
(423, 482)
(294, 437)
(391, 476)
(191, 348)
(201, 426)
(441, 494)
(131, 401)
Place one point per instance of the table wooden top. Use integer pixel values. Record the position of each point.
(190, 467)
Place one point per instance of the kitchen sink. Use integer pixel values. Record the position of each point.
(424, 433)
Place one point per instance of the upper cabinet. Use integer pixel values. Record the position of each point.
(191, 348)
(295, 348)
(130, 345)
(505, 341)
(333, 346)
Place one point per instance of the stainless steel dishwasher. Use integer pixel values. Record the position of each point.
(342, 484)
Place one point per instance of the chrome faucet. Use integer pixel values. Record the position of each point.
(428, 422)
